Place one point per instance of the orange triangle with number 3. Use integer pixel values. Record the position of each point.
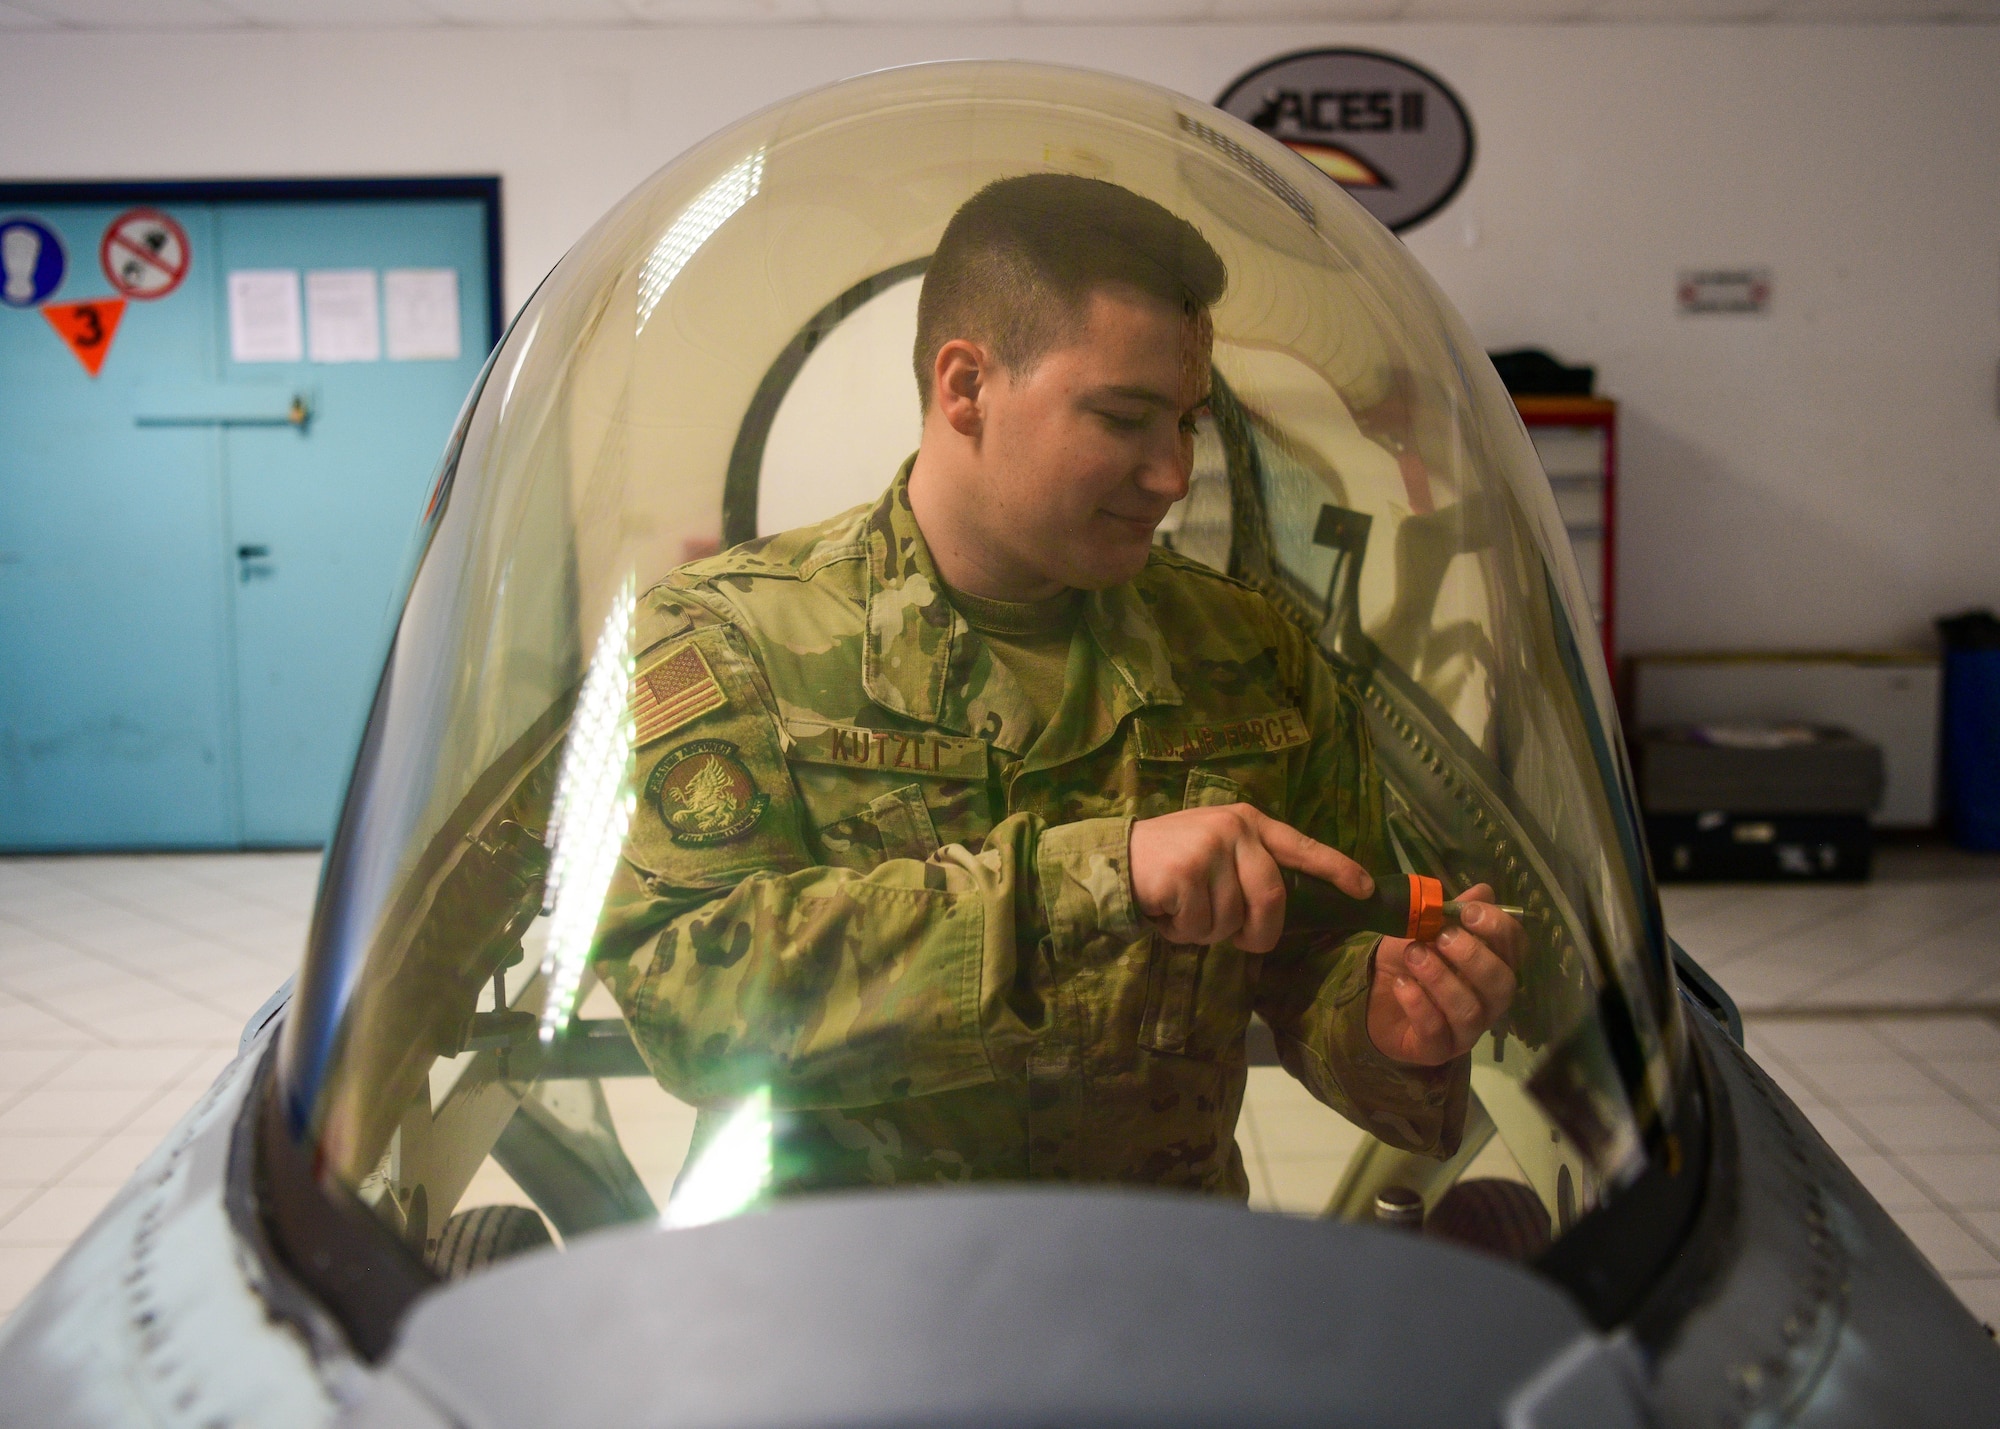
(87, 328)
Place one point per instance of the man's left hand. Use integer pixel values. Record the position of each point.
(1431, 1001)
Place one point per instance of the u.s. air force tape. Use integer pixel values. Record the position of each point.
(1185, 742)
(922, 753)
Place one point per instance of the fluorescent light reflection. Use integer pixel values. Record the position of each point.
(697, 224)
(520, 363)
(592, 812)
(733, 1171)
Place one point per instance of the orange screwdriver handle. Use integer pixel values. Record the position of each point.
(1426, 908)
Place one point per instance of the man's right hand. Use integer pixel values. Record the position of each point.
(1210, 874)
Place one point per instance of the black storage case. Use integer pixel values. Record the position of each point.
(1720, 809)
(1681, 771)
(1716, 847)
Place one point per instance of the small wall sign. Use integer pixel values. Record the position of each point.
(1723, 290)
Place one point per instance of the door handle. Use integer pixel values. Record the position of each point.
(225, 404)
(253, 563)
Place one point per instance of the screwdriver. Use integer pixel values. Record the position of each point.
(1402, 906)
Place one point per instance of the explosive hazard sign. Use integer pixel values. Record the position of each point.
(87, 327)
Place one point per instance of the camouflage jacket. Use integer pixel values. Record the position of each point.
(918, 930)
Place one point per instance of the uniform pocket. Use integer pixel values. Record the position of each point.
(905, 822)
(1205, 789)
(1198, 998)
(897, 824)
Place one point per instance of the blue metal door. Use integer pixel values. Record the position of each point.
(326, 509)
(198, 555)
(114, 648)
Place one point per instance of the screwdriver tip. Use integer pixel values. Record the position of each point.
(1454, 908)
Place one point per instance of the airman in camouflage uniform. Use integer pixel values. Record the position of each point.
(916, 926)
(983, 879)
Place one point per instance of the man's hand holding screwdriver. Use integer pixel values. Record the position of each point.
(1213, 874)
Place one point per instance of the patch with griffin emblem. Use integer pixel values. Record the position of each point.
(705, 794)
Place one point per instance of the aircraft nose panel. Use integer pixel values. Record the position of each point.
(1000, 1308)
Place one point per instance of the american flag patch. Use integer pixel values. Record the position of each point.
(674, 689)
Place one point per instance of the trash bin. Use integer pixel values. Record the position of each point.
(1971, 792)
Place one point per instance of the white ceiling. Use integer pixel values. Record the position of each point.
(350, 14)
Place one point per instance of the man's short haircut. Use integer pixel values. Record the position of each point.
(1020, 259)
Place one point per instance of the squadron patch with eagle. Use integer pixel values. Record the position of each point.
(705, 794)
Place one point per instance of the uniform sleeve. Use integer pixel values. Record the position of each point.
(741, 962)
(1314, 993)
(840, 989)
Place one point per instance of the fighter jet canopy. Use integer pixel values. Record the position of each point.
(727, 355)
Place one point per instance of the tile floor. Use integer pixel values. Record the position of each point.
(1877, 1008)
(125, 981)
(124, 986)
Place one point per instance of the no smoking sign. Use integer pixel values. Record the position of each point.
(144, 253)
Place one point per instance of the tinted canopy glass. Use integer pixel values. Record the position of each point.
(527, 984)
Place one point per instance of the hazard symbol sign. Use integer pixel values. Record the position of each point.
(144, 253)
(87, 327)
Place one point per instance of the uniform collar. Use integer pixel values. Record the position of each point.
(922, 660)
(912, 631)
(1121, 621)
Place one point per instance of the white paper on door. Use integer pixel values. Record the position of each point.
(420, 308)
(264, 322)
(343, 323)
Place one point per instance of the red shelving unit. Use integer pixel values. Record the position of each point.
(1577, 440)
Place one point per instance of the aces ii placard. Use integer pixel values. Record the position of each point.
(1391, 134)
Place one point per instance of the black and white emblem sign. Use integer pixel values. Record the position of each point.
(1389, 133)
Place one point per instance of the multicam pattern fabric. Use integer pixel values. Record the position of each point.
(926, 947)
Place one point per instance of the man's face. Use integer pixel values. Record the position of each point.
(1082, 454)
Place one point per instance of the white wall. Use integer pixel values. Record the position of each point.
(1826, 476)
